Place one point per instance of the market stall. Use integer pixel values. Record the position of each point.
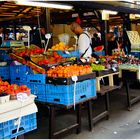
(59, 79)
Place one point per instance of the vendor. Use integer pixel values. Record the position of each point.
(39, 38)
(112, 43)
(84, 40)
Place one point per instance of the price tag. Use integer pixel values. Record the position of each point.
(83, 60)
(114, 69)
(74, 78)
(66, 52)
(22, 96)
(87, 59)
(96, 62)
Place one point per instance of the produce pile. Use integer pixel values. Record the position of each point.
(22, 51)
(60, 46)
(45, 62)
(97, 67)
(69, 71)
(52, 59)
(120, 60)
(13, 89)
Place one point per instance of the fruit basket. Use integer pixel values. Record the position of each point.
(12, 89)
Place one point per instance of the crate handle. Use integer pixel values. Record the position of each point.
(57, 100)
(15, 130)
(36, 81)
(18, 78)
(83, 96)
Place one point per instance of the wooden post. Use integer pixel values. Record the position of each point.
(126, 27)
(104, 29)
(14, 30)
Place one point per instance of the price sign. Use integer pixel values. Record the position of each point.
(22, 96)
(114, 69)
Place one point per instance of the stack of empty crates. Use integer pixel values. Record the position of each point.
(5, 70)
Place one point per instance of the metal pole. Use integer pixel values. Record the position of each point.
(47, 25)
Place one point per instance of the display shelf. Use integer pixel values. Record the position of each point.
(18, 58)
(110, 77)
(129, 72)
(36, 67)
(105, 89)
(106, 72)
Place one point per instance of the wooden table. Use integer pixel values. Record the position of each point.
(52, 107)
(130, 101)
(130, 75)
(105, 90)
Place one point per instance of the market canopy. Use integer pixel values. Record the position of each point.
(10, 11)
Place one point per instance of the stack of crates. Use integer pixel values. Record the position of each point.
(36, 82)
(4, 56)
(5, 72)
(23, 75)
(8, 129)
(18, 73)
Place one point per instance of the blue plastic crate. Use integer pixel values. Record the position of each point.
(19, 83)
(19, 72)
(8, 129)
(4, 55)
(136, 54)
(36, 78)
(39, 90)
(75, 53)
(101, 53)
(5, 73)
(64, 94)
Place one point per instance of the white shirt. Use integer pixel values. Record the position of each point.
(83, 43)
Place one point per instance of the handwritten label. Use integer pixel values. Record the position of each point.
(114, 69)
(22, 96)
(74, 78)
(66, 52)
